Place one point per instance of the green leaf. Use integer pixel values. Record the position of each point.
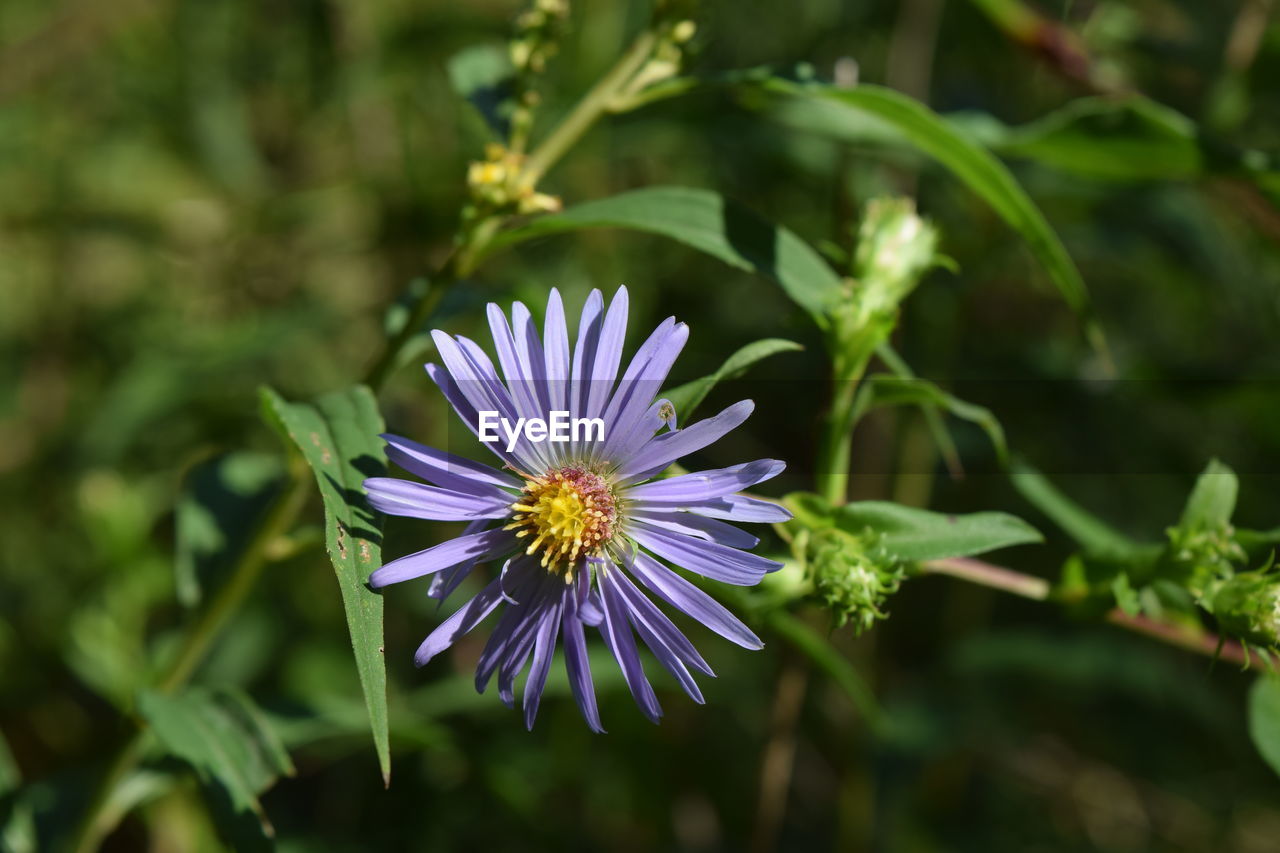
(223, 735)
(981, 171)
(1093, 534)
(1264, 718)
(214, 516)
(686, 397)
(918, 534)
(710, 223)
(338, 437)
(1127, 138)
(1213, 499)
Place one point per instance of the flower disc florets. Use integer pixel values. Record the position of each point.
(571, 514)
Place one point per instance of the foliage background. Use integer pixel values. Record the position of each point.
(197, 198)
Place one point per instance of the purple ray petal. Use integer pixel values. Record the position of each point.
(461, 622)
(616, 631)
(657, 644)
(444, 583)
(544, 648)
(667, 448)
(556, 340)
(688, 599)
(704, 485)
(445, 469)
(519, 379)
(533, 362)
(642, 608)
(414, 500)
(576, 663)
(741, 508)
(603, 370)
(696, 525)
(478, 546)
(641, 383)
(522, 590)
(718, 562)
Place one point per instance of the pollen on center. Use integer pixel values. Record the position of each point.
(570, 513)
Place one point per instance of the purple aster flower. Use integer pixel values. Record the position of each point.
(583, 530)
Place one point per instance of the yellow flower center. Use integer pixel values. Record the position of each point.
(570, 514)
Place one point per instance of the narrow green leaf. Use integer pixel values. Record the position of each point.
(1264, 718)
(224, 737)
(1213, 499)
(1093, 534)
(886, 390)
(685, 398)
(918, 534)
(710, 223)
(971, 163)
(214, 515)
(338, 436)
(1128, 138)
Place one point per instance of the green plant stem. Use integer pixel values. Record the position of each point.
(835, 451)
(593, 104)
(1038, 589)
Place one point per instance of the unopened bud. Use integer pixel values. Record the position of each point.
(895, 248)
(852, 574)
(1248, 607)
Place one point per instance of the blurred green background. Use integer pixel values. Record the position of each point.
(198, 197)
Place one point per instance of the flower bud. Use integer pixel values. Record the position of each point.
(1248, 607)
(1200, 557)
(853, 575)
(895, 248)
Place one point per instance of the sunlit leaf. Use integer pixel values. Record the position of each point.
(886, 390)
(338, 436)
(710, 223)
(685, 398)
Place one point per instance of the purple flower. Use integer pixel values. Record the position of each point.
(583, 530)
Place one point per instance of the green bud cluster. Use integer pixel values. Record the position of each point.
(1248, 606)
(853, 574)
(895, 248)
(1201, 557)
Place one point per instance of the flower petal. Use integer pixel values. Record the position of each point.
(415, 500)
(577, 665)
(544, 648)
(461, 622)
(741, 508)
(658, 645)
(699, 526)
(476, 547)
(704, 485)
(602, 371)
(616, 631)
(672, 636)
(556, 340)
(643, 380)
(667, 448)
(727, 565)
(445, 469)
(688, 599)
(444, 583)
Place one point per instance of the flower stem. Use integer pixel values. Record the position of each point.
(1038, 589)
(593, 104)
(836, 449)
